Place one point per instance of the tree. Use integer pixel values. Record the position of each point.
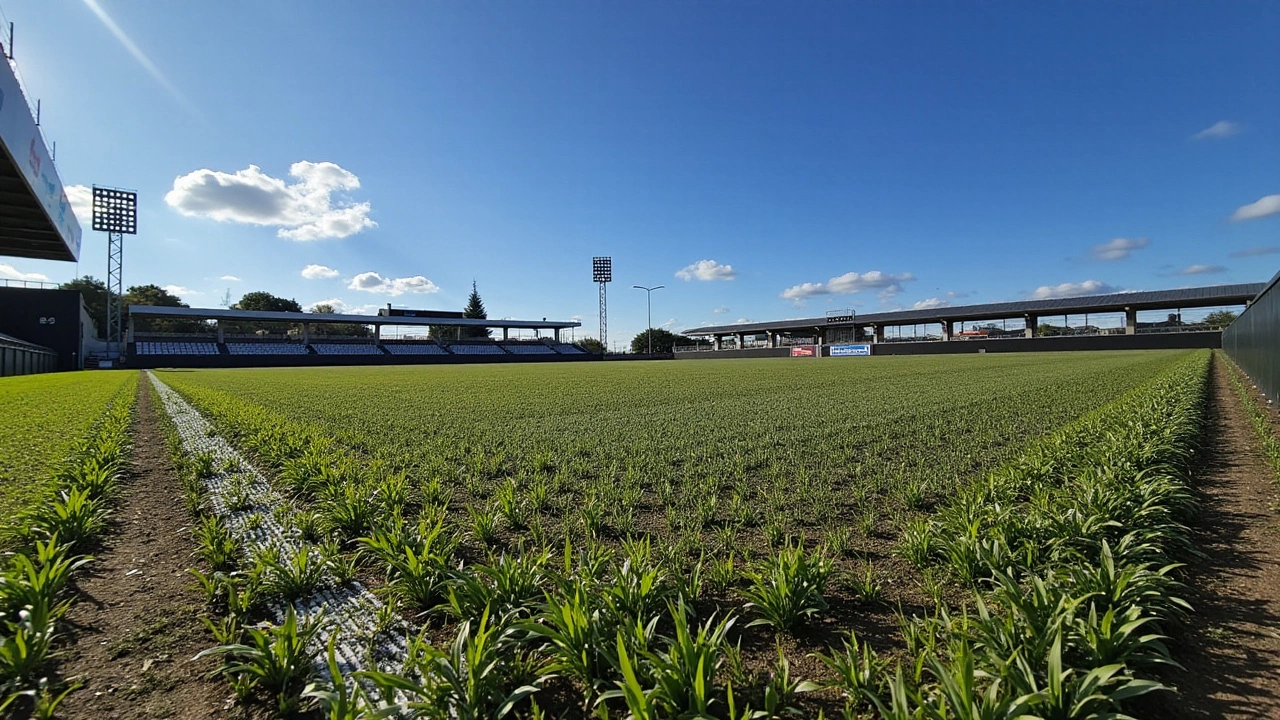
(260, 300)
(1219, 318)
(339, 329)
(591, 345)
(95, 295)
(475, 311)
(663, 341)
(157, 296)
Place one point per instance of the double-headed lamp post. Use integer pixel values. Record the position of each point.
(648, 294)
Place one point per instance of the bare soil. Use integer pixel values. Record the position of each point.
(136, 624)
(1231, 650)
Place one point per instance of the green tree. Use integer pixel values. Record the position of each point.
(339, 329)
(95, 295)
(475, 311)
(157, 296)
(591, 345)
(260, 300)
(1219, 318)
(663, 341)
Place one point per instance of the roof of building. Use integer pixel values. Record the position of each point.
(1210, 296)
(294, 317)
(36, 220)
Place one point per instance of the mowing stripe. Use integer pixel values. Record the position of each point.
(349, 609)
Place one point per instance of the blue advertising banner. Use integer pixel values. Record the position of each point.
(850, 350)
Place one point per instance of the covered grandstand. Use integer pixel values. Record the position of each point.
(1128, 320)
(244, 338)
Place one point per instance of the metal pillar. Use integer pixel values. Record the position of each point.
(557, 335)
(1031, 321)
(948, 329)
(604, 316)
(1130, 321)
(505, 332)
(220, 335)
(115, 294)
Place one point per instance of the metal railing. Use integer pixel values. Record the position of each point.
(1251, 340)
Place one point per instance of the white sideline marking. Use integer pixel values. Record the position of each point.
(349, 609)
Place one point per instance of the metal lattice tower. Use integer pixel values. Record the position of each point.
(602, 272)
(115, 212)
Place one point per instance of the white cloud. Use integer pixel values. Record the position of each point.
(720, 310)
(180, 291)
(230, 278)
(307, 209)
(742, 321)
(930, 304)
(318, 272)
(81, 199)
(1065, 290)
(849, 283)
(669, 323)
(707, 270)
(10, 272)
(374, 283)
(1220, 129)
(1119, 248)
(1256, 251)
(1269, 205)
(1201, 270)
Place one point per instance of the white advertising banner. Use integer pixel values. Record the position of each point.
(22, 139)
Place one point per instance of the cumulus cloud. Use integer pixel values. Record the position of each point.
(888, 284)
(81, 199)
(372, 282)
(1269, 205)
(707, 270)
(1220, 129)
(230, 278)
(318, 272)
(312, 207)
(1065, 290)
(180, 291)
(720, 310)
(930, 304)
(1255, 252)
(10, 272)
(1201, 270)
(1118, 249)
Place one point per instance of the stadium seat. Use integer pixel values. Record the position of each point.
(567, 349)
(346, 349)
(416, 349)
(529, 349)
(149, 347)
(477, 349)
(267, 348)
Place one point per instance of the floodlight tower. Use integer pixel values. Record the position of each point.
(602, 272)
(115, 212)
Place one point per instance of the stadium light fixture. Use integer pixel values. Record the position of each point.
(648, 293)
(602, 272)
(115, 212)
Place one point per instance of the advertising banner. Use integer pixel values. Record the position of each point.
(22, 139)
(803, 351)
(850, 350)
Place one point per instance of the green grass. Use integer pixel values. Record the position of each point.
(41, 417)
(784, 446)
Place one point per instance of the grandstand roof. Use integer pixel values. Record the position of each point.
(294, 317)
(36, 220)
(1210, 296)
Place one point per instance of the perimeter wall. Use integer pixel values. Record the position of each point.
(1253, 340)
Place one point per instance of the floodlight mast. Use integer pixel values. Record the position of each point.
(115, 212)
(648, 294)
(602, 272)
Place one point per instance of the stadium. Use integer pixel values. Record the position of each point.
(991, 503)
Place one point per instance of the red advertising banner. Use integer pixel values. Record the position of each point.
(803, 351)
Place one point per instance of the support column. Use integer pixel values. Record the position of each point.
(377, 334)
(878, 333)
(557, 335)
(741, 340)
(773, 339)
(821, 336)
(716, 341)
(1130, 321)
(1031, 321)
(504, 334)
(306, 333)
(220, 335)
(948, 329)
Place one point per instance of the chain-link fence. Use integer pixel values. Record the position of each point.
(1253, 340)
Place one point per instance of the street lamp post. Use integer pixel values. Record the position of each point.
(648, 294)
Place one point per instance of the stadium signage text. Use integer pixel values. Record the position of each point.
(803, 351)
(850, 350)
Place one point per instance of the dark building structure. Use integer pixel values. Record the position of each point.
(55, 319)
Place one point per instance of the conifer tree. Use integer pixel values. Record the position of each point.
(475, 311)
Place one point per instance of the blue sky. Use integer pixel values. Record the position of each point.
(788, 157)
